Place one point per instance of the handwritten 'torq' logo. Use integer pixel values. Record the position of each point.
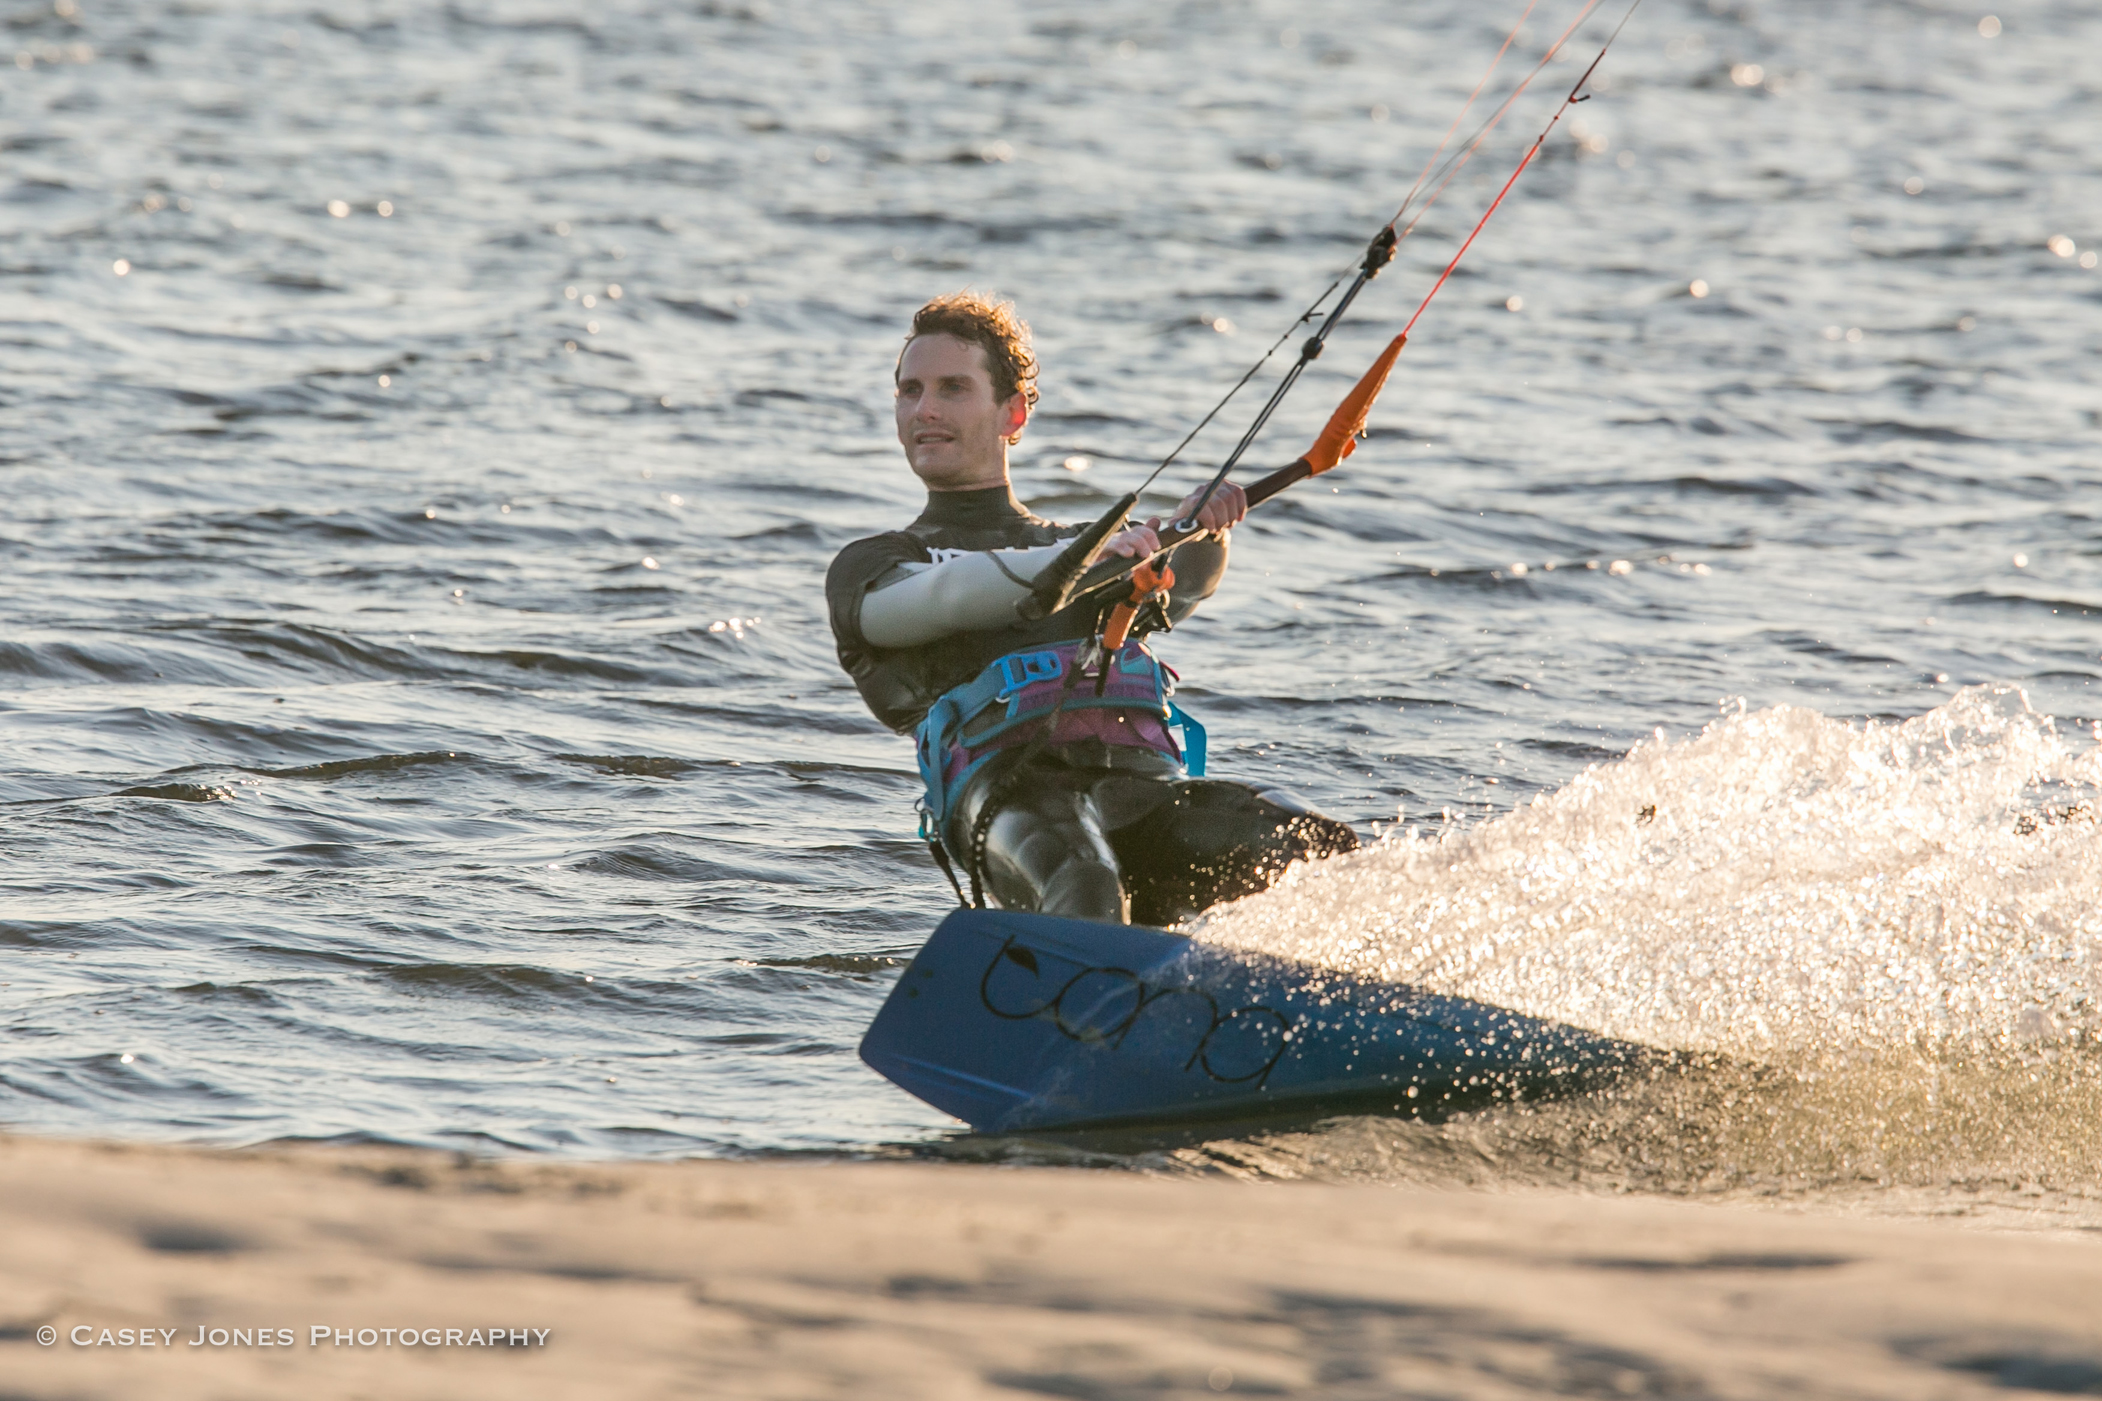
(1117, 1006)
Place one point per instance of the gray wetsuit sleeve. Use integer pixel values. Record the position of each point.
(914, 604)
(1199, 566)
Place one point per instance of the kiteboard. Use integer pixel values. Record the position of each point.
(1019, 1023)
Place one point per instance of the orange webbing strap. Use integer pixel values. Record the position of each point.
(1340, 439)
(1146, 582)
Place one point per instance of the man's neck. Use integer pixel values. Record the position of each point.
(982, 506)
(993, 476)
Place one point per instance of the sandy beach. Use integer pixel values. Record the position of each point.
(722, 1279)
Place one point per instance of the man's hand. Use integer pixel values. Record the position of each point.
(1220, 514)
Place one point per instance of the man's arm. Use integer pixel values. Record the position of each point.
(908, 602)
(1199, 566)
(917, 603)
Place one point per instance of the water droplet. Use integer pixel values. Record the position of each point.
(1990, 26)
(122, 267)
(338, 209)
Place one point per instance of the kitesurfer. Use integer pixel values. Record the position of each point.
(1055, 781)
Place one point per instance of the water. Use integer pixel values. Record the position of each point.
(419, 719)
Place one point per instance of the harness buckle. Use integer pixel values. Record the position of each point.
(1019, 669)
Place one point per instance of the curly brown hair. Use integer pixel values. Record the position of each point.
(991, 326)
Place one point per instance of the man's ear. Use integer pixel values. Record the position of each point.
(1017, 410)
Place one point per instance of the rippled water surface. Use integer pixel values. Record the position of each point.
(424, 430)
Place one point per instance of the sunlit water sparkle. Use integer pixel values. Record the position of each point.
(1781, 882)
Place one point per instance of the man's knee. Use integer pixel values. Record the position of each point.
(1045, 851)
(1211, 817)
(1220, 841)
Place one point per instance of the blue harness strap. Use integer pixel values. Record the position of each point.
(1193, 742)
(1027, 686)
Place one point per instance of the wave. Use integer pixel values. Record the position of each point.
(1881, 943)
(1780, 881)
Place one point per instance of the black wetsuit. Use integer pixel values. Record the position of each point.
(1084, 829)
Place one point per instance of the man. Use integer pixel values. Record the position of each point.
(1054, 781)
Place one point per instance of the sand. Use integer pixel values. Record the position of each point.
(709, 1279)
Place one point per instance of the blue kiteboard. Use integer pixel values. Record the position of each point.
(1022, 1022)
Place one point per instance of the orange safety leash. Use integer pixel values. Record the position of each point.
(1147, 584)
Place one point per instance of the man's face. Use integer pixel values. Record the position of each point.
(951, 429)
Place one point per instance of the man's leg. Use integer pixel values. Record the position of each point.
(1045, 849)
(1218, 841)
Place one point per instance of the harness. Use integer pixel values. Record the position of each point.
(1020, 699)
